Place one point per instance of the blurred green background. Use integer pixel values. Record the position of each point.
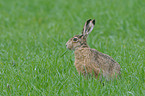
(33, 34)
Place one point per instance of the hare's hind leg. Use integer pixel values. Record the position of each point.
(97, 73)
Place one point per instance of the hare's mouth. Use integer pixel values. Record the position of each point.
(69, 48)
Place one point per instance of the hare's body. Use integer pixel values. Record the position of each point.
(90, 61)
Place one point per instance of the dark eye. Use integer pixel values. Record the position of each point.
(75, 39)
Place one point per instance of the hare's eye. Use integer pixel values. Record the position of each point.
(75, 39)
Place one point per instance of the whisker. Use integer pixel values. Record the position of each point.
(64, 52)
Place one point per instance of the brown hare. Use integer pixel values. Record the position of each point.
(90, 61)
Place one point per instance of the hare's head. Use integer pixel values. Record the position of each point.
(81, 40)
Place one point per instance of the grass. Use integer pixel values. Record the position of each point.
(33, 34)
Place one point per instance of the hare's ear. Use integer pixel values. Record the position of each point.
(88, 27)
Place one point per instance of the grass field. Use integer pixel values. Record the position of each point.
(33, 34)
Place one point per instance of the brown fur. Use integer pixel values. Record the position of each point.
(90, 61)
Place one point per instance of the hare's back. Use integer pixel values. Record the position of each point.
(105, 62)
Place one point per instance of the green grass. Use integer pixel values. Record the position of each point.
(33, 34)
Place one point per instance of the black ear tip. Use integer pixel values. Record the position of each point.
(93, 21)
(88, 21)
